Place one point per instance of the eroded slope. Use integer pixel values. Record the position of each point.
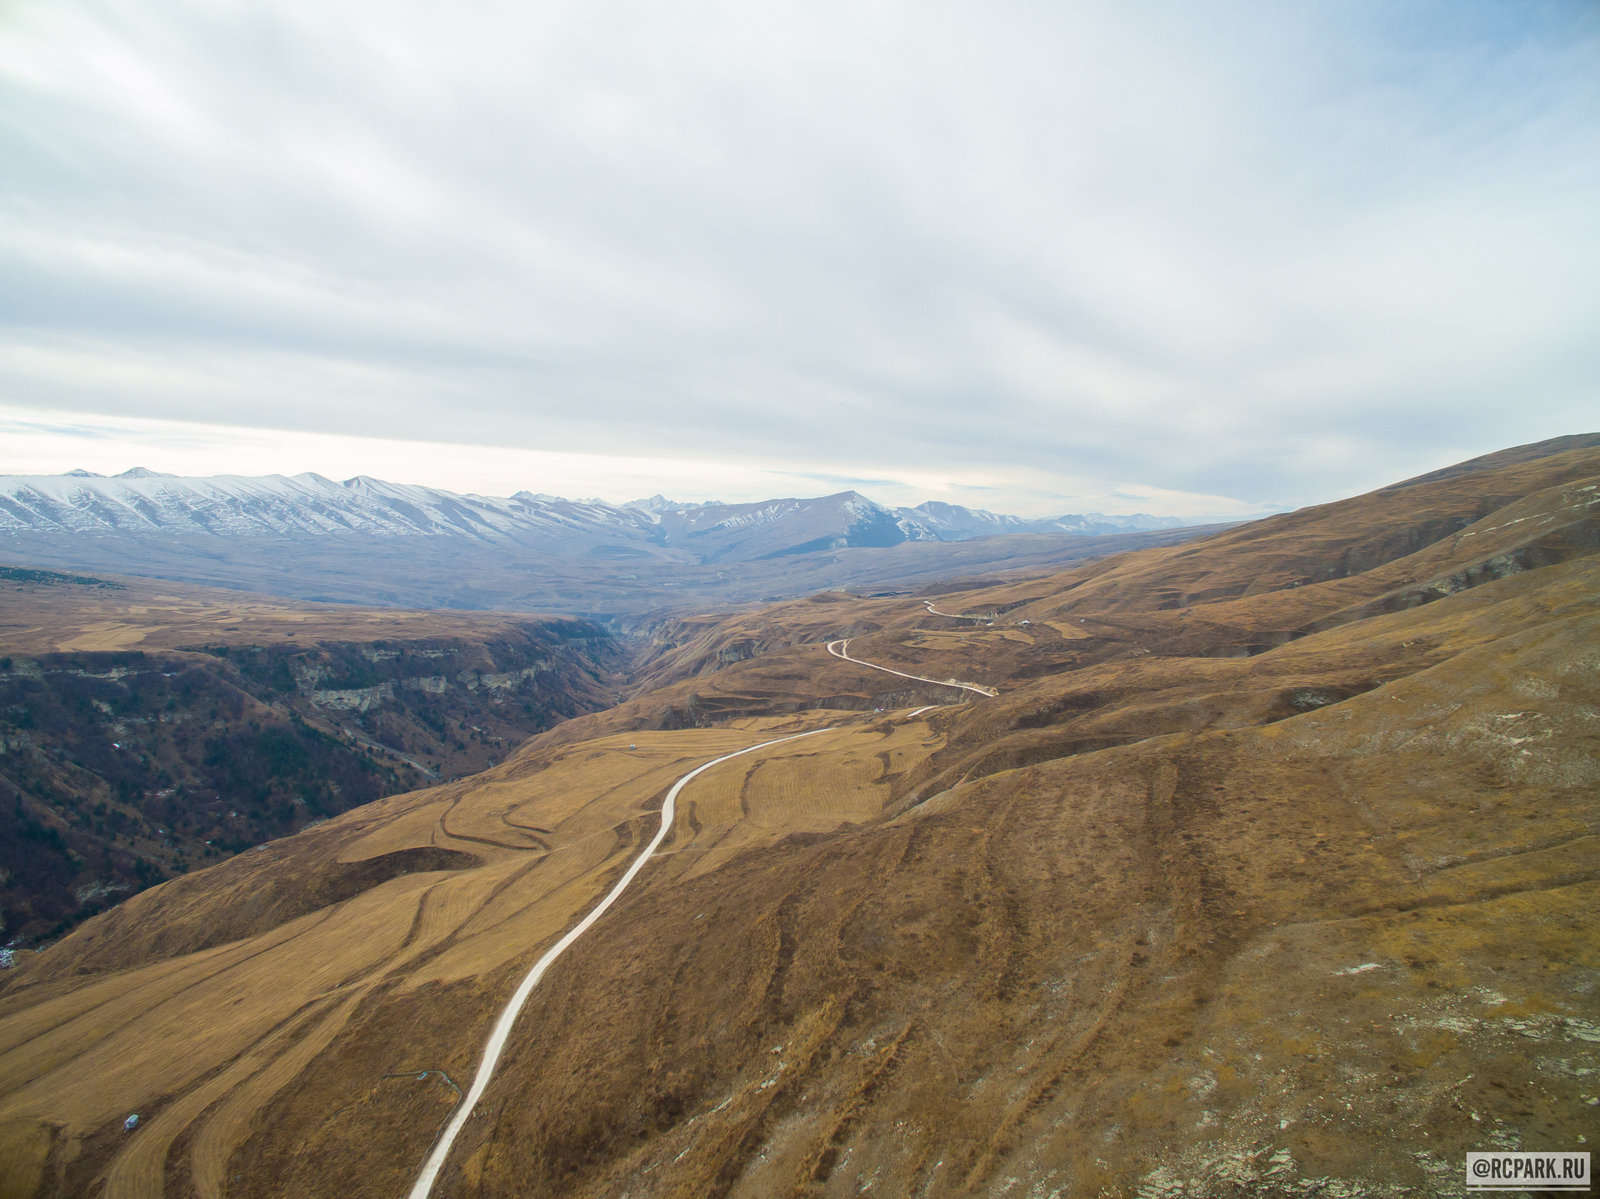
(147, 729)
(1274, 861)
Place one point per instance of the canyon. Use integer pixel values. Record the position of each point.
(1262, 862)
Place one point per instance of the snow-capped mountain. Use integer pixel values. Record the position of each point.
(369, 541)
(142, 503)
(951, 522)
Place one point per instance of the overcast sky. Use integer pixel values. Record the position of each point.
(1185, 258)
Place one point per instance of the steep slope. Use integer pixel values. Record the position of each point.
(145, 733)
(1514, 456)
(1233, 595)
(1271, 870)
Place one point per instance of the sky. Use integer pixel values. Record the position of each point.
(1198, 259)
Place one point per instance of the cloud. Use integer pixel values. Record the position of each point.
(1031, 251)
(35, 443)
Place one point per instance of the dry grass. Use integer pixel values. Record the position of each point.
(84, 1058)
(160, 615)
(1069, 630)
(973, 640)
(825, 782)
(1194, 906)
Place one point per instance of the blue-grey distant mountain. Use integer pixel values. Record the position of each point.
(951, 522)
(143, 503)
(368, 540)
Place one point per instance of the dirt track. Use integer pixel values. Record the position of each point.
(1277, 866)
(502, 1028)
(840, 649)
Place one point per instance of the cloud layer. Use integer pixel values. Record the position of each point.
(1221, 250)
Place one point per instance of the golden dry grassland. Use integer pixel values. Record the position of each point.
(161, 615)
(199, 1042)
(1271, 870)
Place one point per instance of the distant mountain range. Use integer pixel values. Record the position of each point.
(141, 502)
(366, 541)
(951, 522)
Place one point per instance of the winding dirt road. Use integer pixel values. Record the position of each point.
(508, 1017)
(928, 604)
(502, 1028)
(838, 650)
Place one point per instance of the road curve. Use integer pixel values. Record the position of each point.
(840, 652)
(928, 604)
(502, 1027)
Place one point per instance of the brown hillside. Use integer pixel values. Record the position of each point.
(148, 728)
(1232, 595)
(56, 612)
(1271, 870)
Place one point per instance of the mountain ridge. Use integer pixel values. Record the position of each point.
(1264, 865)
(367, 540)
(140, 501)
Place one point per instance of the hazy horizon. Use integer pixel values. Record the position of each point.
(1215, 258)
(635, 501)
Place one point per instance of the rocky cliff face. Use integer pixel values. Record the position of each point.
(120, 769)
(1269, 868)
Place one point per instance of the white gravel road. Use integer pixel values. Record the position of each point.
(502, 1027)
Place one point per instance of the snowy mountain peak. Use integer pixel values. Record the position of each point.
(144, 503)
(951, 522)
(660, 503)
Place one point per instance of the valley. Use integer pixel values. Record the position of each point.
(150, 730)
(1260, 862)
(365, 541)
